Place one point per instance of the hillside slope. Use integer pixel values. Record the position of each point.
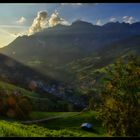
(88, 72)
(40, 103)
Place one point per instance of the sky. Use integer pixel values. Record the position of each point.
(17, 19)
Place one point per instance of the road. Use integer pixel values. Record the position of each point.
(48, 119)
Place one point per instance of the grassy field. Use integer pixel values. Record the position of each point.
(72, 122)
(66, 126)
(41, 115)
(62, 127)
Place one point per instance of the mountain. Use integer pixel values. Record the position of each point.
(57, 46)
(54, 49)
(19, 75)
(89, 71)
(62, 44)
(14, 72)
(39, 102)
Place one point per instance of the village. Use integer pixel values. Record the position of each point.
(59, 90)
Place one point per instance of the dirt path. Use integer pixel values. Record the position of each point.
(48, 119)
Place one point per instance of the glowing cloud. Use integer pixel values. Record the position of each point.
(56, 19)
(22, 20)
(38, 22)
(43, 21)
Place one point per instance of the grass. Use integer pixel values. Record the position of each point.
(41, 115)
(10, 129)
(68, 126)
(72, 122)
(11, 88)
(14, 129)
(37, 101)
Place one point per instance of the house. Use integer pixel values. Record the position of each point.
(87, 126)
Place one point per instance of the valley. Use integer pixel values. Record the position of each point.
(55, 128)
(60, 74)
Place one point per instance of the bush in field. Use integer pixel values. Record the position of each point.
(120, 110)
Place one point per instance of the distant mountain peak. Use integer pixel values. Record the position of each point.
(115, 23)
(81, 22)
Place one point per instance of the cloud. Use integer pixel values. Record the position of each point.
(113, 19)
(22, 20)
(64, 22)
(56, 19)
(43, 20)
(128, 19)
(38, 22)
(99, 23)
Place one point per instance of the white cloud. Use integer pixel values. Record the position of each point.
(56, 19)
(39, 22)
(128, 19)
(64, 22)
(43, 20)
(22, 20)
(113, 19)
(99, 23)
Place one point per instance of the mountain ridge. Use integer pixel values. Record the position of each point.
(78, 34)
(53, 48)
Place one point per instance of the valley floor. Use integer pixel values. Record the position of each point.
(67, 125)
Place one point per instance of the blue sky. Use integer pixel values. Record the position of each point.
(17, 18)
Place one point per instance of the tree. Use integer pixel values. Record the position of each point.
(11, 101)
(15, 106)
(25, 105)
(120, 110)
(94, 99)
(92, 103)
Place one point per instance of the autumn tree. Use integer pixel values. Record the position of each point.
(15, 106)
(120, 110)
(25, 105)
